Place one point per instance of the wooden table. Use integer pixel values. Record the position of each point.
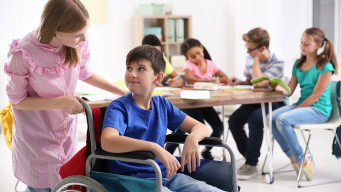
(217, 98)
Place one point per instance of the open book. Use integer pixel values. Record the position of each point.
(273, 80)
(205, 86)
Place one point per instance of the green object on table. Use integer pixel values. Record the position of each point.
(274, 80)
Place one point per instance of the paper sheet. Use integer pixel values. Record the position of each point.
(188, 94)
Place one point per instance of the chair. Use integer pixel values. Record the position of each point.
(333, 122)
(102, 181)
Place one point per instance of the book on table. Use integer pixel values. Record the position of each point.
(273, 80)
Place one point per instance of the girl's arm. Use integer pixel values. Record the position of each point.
(113, 142)
(222, 76)
(99, 82)
(191, 80)
(292, 86)
(69, 103)
(178, 82)
(198, 132)
(321, 85)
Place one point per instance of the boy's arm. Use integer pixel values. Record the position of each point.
(260, 57)
(113, 142)
(261, 81)
(198, 132)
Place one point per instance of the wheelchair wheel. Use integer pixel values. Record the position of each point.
(78, 183)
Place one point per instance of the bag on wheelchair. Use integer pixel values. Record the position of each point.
(336, 147)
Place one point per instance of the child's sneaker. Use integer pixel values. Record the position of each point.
(246, 172)
(312, 160)
(307, 168)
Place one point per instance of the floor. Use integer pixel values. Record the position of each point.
(327, 175)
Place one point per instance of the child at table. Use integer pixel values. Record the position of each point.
(172, 78)
(313, 72)
(199, 67)
(260, 61)
(139, 122)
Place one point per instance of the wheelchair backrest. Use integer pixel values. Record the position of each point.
(94, 117)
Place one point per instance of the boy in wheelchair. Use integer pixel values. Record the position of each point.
(138, 121)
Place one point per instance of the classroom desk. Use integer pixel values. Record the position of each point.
(221, 98)
(217, 98)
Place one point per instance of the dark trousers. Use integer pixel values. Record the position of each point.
(251, 114)
(208, 114)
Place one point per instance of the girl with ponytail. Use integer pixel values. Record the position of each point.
(312, 72)
(199, 67)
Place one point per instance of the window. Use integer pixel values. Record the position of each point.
(326, 15)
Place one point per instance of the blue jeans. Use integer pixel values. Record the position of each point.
(215, 173)
(283, 121)
(31, 189)
(181, 182)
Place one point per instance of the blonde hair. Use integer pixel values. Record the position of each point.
(328, 53)
(66, 16)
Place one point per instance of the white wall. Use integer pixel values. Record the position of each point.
(218, 24)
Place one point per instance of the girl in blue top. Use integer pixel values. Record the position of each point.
(313, 72)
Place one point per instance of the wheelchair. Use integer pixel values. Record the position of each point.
(96, 177)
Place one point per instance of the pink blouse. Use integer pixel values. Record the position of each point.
(211, 69)
(43, 140)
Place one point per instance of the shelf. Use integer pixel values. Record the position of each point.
(169, 48)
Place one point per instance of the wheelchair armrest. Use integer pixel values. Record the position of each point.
(177, 138)
(142, 155)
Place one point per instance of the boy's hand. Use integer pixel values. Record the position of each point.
(179, 82)
(190, 155)
(263, 55)
(233, 81)
(171, 163)
(262, 84)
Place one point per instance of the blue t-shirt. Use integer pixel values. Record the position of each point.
(151, 125)
(307, 81)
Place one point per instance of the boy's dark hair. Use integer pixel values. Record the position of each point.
(151, 40)
(260, 37)
(149, 53)
(190, 43)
